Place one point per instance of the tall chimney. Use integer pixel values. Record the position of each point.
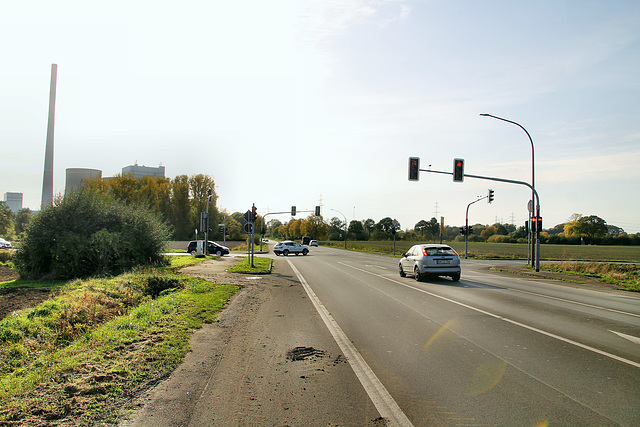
(47, 180)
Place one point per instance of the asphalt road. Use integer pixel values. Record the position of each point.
(492, 349)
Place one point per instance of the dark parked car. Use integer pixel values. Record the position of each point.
(213, 248)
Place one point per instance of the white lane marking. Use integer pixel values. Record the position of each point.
(384, 403)
(377, 266)
(631, 338)
(513, 322)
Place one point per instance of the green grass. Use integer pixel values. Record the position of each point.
(261, 265)
(72, 357)
(625, 276)
(484, 250)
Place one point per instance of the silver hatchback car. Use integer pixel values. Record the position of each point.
(430, 260)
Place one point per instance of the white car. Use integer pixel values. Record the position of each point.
(4, 244)
(290, 247)
(430, 260)
(313, 243)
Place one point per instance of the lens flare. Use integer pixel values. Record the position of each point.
(486, 377)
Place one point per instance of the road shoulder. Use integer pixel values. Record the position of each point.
(268, 360)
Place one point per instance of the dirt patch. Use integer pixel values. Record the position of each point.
(7, 274)
(304, 353)
(18, 298)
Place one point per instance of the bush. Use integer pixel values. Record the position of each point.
(87, 233)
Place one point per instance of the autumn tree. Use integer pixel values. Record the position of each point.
(591, 226)
(314, 226)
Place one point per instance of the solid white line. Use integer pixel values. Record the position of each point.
(384, 403)
(531, 328)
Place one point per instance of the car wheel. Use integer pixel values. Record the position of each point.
(416, 273)
(219, 253)
(305, 252)
(402, 273)
(193, 252)
(285, 252)
(455, 277)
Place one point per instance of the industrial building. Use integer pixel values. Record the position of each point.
(14, 201)
(140, 171)
(76, 175)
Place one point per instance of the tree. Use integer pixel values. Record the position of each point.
(433, 228)
(180, 208)
(336, 229)
(90, 233)
(614, 231)
(23, 219)
(421, 227)
(591, 226)
(356, 231)
(570, 227)
(369, 225)
(314, 227)
(6, 219)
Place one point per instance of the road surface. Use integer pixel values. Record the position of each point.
(491, 349)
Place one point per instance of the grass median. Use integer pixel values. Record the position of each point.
(261, 265)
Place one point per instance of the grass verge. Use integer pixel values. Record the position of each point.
(261, 265)
(625, 276)
(74, 359)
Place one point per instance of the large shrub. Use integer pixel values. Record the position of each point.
(87, 233)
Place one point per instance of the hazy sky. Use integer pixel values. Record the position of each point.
(292, 102)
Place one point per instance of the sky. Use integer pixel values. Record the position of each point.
(309, 103)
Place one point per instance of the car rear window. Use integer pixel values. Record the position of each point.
(444, 250)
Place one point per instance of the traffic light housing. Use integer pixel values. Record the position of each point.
(254, 213)
(458, 170)
(414, 168)
(317, 210)
(490, 196)
(462, 230)
(293, 211)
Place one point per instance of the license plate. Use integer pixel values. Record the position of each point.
(443, 261)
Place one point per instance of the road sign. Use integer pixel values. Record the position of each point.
(248, 227)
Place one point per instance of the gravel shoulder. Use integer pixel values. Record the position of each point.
(269, 360)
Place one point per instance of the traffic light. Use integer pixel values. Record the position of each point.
(254, 213)
(293, 211)
(534, 224)
(414, 168)
(458, 170)
(462, 230)
(539, 223)
(490, 197)
(526, 227)
(317, 210)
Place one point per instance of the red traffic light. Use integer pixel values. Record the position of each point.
(458, 170)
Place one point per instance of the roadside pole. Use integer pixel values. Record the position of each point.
(466, 227)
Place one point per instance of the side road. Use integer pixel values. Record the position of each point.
(269, 360)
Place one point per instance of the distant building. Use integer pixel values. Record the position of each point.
(140, 171)
(76, 175)
(14, 201)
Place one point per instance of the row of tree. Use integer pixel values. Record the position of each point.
(180, 201)
(578, 230)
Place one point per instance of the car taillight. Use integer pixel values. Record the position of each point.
(424, 251)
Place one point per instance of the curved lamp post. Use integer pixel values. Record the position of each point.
(533, 186)
(345, 227)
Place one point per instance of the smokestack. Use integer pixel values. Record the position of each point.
(47, 179)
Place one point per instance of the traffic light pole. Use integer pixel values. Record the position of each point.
(508, 181)
(466, 227)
